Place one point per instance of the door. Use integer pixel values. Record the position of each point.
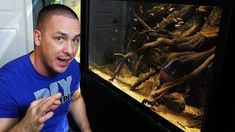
(16, 29)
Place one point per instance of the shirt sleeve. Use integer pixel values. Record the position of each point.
(8, 105)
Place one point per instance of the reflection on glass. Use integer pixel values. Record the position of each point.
(159, 54)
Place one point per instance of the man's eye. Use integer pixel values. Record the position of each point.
(76, 41)
(59, 40)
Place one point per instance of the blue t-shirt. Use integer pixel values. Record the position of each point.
(20, 84)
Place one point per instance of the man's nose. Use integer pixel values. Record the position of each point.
(68, 49)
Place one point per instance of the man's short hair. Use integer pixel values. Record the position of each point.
(54, 9)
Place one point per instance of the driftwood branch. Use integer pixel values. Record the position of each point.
(179, 44)
(146, 77)
(164, 88)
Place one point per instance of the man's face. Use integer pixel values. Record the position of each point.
(59, 43)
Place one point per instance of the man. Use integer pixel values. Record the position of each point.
(38, 89)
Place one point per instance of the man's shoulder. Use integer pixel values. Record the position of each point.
(74, 65)
(74, 69)
(13, 67)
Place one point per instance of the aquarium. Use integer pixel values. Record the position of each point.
(160, 54)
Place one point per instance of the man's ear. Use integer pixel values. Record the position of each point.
(37, 37)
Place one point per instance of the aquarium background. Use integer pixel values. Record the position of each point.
(159, 54)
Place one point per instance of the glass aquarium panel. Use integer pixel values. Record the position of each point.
(159, 54)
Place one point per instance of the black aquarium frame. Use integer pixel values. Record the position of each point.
(211, 120)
